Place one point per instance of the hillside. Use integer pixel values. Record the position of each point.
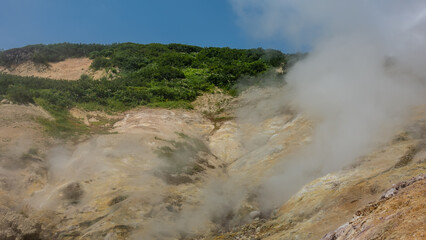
(119, 77)
(225, 63)
(178, 168)
(183, 142)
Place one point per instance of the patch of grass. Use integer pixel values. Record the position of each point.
(63, 128)
(91, 106)
(111, 106)
(102, 126)
(63, 125)
(172, 105)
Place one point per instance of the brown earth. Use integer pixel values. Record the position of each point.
(23, 146)
(400, 213)
(69, 69)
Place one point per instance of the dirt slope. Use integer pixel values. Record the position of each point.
(69, 69)
(400, 213)
(155, 176)
(23, 145)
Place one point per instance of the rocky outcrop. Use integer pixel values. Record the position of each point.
(15, 226)
(400, 213)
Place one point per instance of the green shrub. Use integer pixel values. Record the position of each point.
(43, 54)
(184, 48)
(100, 62)
(20, 94)
(175, 59)
(172, 105)
(63, 125)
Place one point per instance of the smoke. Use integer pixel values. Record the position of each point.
(363, 74)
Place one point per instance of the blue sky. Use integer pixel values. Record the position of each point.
(196, 22)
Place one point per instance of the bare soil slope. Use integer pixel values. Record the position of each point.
(150, 178)
(400, 213)
(23, 145)
(69, 69)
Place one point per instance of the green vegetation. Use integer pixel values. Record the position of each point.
(156, 75)
(43, 54)
(63, 125)
(221, 67)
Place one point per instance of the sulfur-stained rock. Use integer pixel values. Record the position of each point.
(72, 192)
(398, 214)
(15, 226)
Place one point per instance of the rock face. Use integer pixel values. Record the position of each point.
(400, 213)
(5, 101)
(14, 226)
(72, 192)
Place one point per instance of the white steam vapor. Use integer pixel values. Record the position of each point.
(306, 22)
(361, 78)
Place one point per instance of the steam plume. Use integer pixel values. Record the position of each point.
(363, 74)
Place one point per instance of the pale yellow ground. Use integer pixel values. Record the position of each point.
(69, 69)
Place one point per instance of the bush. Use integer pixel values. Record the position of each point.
(157, 74)
(172, 104)
(43, 54)
(175, 59)
(61, 100)
(100, 62)
(20, 94)
(184, 48)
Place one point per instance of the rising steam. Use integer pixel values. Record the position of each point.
(363, 74)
